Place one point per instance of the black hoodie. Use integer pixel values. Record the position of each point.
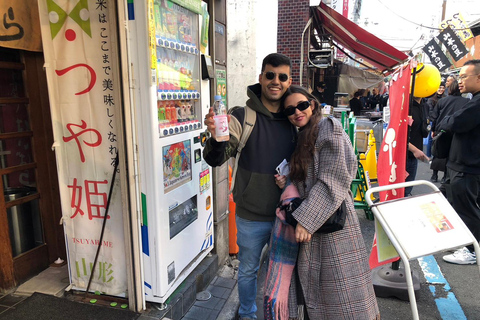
(273, 139)
(464, 153)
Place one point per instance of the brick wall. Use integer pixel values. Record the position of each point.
(292, 19)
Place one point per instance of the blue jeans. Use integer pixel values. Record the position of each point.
(411, 168)
(251, 238)
(429, 144)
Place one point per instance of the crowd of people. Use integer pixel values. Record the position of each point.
(364, 100)
(325, 275)
(460, 117)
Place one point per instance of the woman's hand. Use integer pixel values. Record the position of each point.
(301, 234)
(281, 181)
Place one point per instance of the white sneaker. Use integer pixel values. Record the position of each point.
(461, 256)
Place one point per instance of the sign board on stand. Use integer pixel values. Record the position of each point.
(419, 226)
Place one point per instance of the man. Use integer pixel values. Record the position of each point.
(355, 104)
(417, 130)
(319, 92)
(255, 193)
(464, 159)
(373, 100)
(431, 110)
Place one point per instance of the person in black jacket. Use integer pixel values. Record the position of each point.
(417, 130)
(445, 107)
(355, 104)
(373, 100)
(463, 162)
(430, 109)
(255, 192)
(319, 91)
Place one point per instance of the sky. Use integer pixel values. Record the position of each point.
(410, 24)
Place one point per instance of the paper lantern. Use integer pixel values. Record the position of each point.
(427, 80)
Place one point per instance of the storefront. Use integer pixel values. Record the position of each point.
(331, 32)
(30, 235)
(101, 137)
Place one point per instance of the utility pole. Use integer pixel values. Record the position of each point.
(444, 8)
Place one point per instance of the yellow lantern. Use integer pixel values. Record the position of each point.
(427, 80)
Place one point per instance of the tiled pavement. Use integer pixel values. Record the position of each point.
(9, 300)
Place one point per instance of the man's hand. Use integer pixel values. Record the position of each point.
(209, 122)
(419, 155)
(301, 234)
(281, 181)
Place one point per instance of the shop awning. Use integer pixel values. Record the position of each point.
(354, 38)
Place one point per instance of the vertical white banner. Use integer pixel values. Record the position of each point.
(81, 61)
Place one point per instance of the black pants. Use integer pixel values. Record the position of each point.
(463, 193)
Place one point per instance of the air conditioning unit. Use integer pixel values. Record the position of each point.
(322, 58)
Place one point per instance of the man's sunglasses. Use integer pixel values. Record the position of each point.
(271, 75)
(301, 106)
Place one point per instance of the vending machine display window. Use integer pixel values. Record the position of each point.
(182, 215)
(178, 66)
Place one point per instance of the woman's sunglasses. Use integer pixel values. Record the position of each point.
(271, 75)
(301, 106)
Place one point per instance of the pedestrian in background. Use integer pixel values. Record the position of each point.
(355, 104)
(417, 130)
(463, 162)
(255, 193)
(445, 107)
(319, 92)
(374, 101)
(431, 105)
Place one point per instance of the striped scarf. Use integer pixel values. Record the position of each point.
(282, 260)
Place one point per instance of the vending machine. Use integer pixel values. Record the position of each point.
(171, 100)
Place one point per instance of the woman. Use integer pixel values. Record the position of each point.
(333, 271)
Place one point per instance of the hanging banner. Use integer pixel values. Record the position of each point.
(392, 159)
(81, 62)
(457, 23)
(436, 55)
(20, 27)
(453, 44)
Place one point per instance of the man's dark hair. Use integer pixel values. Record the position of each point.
(474, 62)
(276, 60)
(321, 84)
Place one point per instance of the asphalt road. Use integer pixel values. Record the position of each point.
(449, 292)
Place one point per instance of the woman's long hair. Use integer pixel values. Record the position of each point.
(307, 136)
(453, 89)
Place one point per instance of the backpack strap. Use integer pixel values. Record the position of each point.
(248, 124)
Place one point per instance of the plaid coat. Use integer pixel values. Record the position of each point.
(333, 268)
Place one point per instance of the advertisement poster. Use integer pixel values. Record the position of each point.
(81, 63)
(222, 85)
(457, 23)
(177, 165)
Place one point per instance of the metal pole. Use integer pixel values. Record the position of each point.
(444, 8)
